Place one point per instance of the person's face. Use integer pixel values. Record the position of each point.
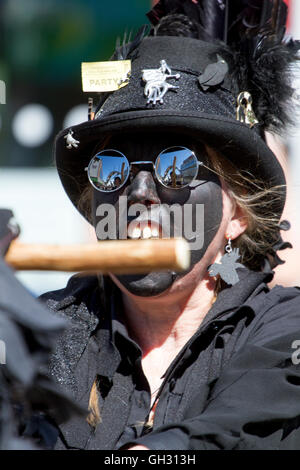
(200, 205)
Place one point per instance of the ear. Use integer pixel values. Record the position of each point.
(237, 224)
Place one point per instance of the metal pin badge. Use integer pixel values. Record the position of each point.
(124, 80)
(91, 113)
(156, 82)
(244, 110)
(70, 141)
(214, 74)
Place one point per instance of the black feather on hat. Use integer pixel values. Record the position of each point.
(254, 44)
(234, 65)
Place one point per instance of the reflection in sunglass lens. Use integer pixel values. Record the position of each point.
(108, 170)
(176, 167)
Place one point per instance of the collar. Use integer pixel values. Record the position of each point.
(113, 337)
(232, 297)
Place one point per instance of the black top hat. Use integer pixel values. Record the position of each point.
(225, 94)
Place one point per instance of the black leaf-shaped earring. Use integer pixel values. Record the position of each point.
(228, 265)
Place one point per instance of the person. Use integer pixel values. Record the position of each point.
(208, 358)
(27, 334)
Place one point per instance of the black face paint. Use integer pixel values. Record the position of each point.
(203, 194)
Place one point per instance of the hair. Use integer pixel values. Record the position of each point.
(84, 204)
(259, 203)
(94, 417)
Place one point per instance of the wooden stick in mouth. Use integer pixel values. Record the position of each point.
(114, 256)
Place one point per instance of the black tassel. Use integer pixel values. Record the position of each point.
(253, 20)
(163, 8)
(214, 18)
(226, 20)
(251, 34)
(207, 16)
(261, 59)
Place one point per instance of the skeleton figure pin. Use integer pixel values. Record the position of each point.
(70, 141)
(156, 82)
(227, 268)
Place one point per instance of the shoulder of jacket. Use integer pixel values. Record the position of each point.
(76, 289)
(79, 301)
(279, 302)
(283, 294)
(275, 296)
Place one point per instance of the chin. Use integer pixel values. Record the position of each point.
(156, 283)
(148, 285)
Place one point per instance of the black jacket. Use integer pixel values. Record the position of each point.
(235, 385)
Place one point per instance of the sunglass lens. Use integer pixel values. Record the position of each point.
(108, 170)
(176, 167)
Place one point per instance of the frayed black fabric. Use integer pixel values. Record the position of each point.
(27, 393)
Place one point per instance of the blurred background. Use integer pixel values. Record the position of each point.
(42, 45)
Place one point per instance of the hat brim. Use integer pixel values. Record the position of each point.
(235, 140)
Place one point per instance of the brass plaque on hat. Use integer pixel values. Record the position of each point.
(105, 76)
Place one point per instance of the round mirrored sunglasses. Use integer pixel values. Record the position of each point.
(175, 168)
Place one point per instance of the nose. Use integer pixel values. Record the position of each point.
(142, 190)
